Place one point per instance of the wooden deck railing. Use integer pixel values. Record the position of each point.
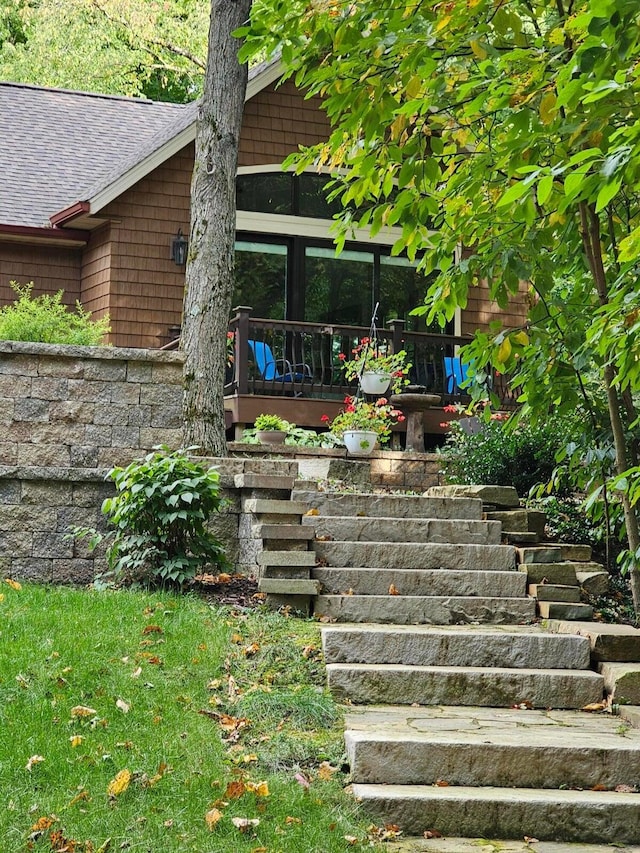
(307, 359)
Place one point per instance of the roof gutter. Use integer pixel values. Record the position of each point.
(48, 236)
(69, 213)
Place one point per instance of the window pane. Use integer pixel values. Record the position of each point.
(338, 289)
(402, 289)
(261, 278)
(312, 198)
(270, 192)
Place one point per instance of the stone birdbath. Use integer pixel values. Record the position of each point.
(413, 403)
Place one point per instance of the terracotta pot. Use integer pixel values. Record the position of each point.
(360, 442)
(271, 436)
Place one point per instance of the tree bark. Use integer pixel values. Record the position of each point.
(590, 230)
(210, 262)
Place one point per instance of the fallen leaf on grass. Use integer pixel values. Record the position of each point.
(292, 820)
(75, 740)
(119, 784)
(244, 824)
(251, 650)
(212, 818)
(326, 771)
(431, 833)
(136, 672)
(260, 789)
(83, 711)
(60, 844)
(235, 790)
(383, 833)
(13, 584)
(163, 768)
(123, 706)
(42, 824)
(351, 839)
(35, 759)
(302, 780)
(152, 629)
(1, 597)
(80, 797)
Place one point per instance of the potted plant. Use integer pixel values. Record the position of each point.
(375, 367)
(271, 429)
(361, 425)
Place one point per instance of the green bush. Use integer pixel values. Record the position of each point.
(501, 455)
(47, 320)
(160, 513)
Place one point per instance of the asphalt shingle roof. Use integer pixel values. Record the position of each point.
(58, 147)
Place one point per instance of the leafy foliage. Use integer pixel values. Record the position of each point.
(46, 319)
(297, 437)
(160, 514)
(358, 414)
(154, 49)
(523, 457)
(272, 422)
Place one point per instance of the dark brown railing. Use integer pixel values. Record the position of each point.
(290, 358)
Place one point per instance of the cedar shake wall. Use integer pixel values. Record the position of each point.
(96, 271)
(51, 268)
(276, 122)
(146, 286)
(480, 311)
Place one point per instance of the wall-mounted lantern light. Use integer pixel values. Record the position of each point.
(179, 246)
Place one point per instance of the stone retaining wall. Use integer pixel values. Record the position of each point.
(86, 407)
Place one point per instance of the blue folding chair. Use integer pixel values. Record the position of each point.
(455, 373)
(277, 370)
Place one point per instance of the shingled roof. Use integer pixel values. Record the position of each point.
(61, 147)
(56, 145)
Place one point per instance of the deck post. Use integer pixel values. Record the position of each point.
(397, 329)
(242, 348)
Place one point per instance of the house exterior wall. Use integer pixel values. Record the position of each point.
(481, 311)
(96, 271)
(51, 268)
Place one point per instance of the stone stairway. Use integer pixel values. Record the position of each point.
(463, 718)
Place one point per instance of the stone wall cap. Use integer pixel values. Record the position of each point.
(99, 352)
(33, 472)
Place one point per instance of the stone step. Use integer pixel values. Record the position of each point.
(516, 538)
(557, 573)
(288, 586)
(531, 749)
(593, 583)
(564, 610)
(540, 554)
(263, 482)
(266, 506)
(509, 646)
(554, 592)
(558, 815)
(399, 555)
(284, 531)
(485, 686)
(430, 610)
(500, 496)
(294, 559)
(358, 529)
(608, 642)
(578, 553)
(622, 682)
(436, 582)
(389, 505)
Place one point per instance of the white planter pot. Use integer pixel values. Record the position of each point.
(375, 382)
(360, 442)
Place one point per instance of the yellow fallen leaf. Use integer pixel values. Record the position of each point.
(13, 584)
(119, 784)
(75, 740)
(250, 650)
(260, 789)
(235, 790)
(326, 771)
(83, 711)
(291, 820)
(212, 818)
(313, 512)
(248, 759)
(1, 597)
(35, 759)
(393, 590)
(80, 797)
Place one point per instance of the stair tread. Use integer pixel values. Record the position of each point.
(488, 794)
(489, 671)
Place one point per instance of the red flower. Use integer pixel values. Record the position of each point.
(382, 401)
(449, 409)
(445, 424)
(347, 399)
(401, 418)
(325, 419)
(350, 408)
(342, 356)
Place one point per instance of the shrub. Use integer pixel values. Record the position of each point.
(47, 320)
(271, 423)
(500, 455)
(160, 514)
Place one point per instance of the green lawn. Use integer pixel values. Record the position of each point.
(179, 709)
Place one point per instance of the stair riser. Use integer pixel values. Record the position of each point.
(466, 649)
(505, 817)
(490, 688)
(417, 556)
(406, 530)
(390, 506)
(427, 582)
(445, 610)
(521, 766)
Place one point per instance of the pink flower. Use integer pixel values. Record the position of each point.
(401, 418)
(445, 424)
(325, 419)
(449, 409)
(382, 401)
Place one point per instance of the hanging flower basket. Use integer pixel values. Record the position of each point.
(375, 381)
(360, 442)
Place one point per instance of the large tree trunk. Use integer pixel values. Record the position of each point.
(210, 263)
